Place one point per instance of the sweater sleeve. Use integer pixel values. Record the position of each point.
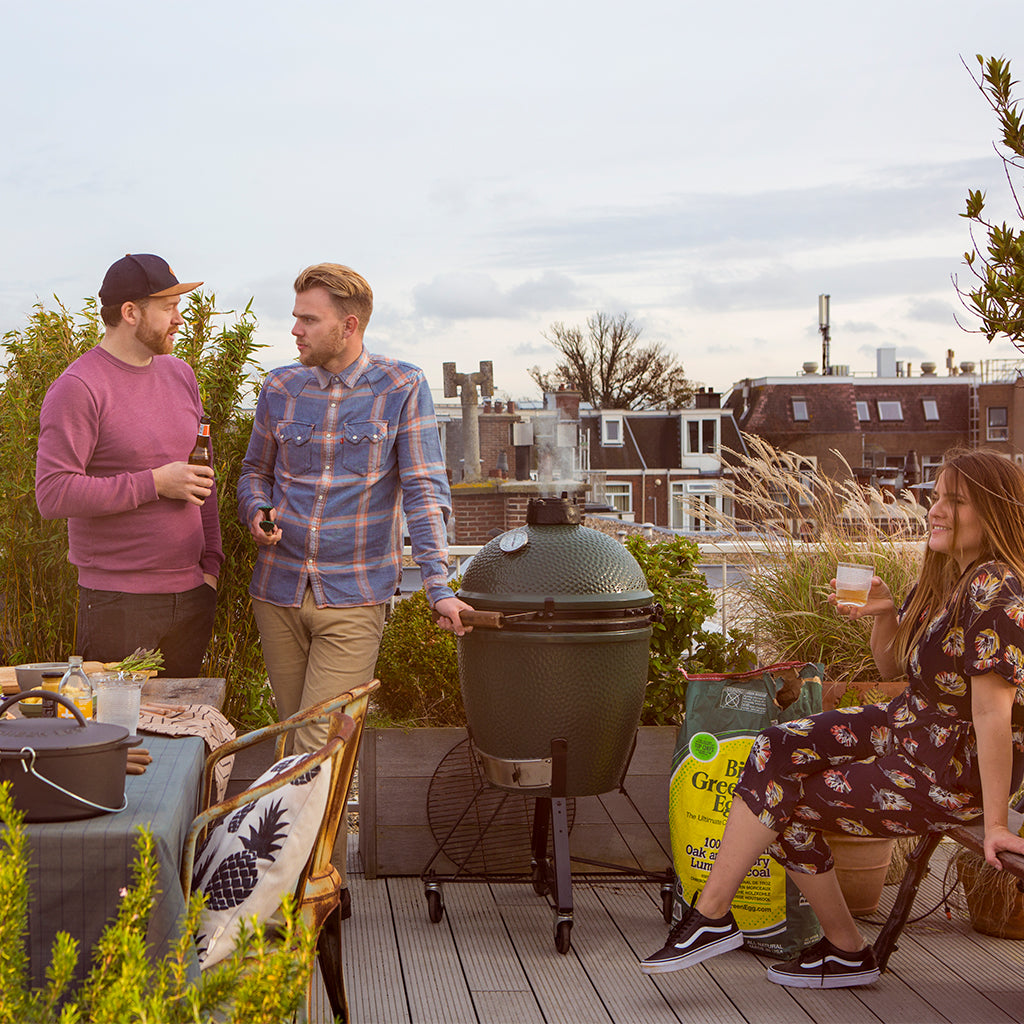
(68, 428)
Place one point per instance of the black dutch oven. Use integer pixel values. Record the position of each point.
(559, 650)
(62, 768)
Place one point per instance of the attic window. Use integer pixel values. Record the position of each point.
(890, 410)
(800, 409)
(863, 411)
(611, 431)
(931, 408)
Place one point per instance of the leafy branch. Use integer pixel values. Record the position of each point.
(996, 258)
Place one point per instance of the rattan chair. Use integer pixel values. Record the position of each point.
(318, 889)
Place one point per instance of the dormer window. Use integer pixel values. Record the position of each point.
(800, 409)
(863, 412)
(611, 430)
(931, 408)
(890, 411)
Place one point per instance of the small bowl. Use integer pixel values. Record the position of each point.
(30, 677)
(30, 710)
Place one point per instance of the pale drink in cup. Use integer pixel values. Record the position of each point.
(119, 699)
(853, 582)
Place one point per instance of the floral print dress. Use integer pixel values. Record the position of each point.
(899, 769)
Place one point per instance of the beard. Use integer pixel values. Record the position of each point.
(331, 346)
(160, 343)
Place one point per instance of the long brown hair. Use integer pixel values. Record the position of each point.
(994, 486)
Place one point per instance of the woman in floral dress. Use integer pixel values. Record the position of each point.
(948, 750)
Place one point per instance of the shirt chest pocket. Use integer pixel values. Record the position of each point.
(363, 445)
(293, 439)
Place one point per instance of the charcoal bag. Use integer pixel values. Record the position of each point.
(724, 712)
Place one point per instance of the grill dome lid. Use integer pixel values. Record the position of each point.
(554, 562)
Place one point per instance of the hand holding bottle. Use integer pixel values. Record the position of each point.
(193, 484)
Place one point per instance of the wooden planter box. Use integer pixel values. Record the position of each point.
(397, 765)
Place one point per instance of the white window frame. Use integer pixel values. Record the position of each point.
(886, 409)
(800, 411)
(931, 409)
(930, 466)
(612, 435)
(702, 424)
(685, 498)
(619, 494)
(863, 412)
(997, 431)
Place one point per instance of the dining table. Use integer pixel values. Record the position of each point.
(79, 868)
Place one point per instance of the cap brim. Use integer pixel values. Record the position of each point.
(177, 289)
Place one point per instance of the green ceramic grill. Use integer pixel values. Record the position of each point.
(568, 659)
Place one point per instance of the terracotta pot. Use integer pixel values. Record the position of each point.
(994, 904)
(861, 866)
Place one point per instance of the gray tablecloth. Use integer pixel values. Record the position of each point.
(79, 867)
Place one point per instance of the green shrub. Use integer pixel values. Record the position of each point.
(679, 640)
(264, 981)
(418, 670)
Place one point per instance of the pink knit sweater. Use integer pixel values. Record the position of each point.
(104, 426)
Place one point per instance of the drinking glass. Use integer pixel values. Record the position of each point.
(119, 698)
(853, 582)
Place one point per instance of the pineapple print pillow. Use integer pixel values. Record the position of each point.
(254, 856)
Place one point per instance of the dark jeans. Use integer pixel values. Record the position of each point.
(112, 624)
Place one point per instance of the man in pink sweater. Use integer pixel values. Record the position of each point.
(115, 432)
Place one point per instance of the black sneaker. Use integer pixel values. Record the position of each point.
(824, 966)
(693, 939)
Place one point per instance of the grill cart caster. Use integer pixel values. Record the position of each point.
(667, 889)
(435, 902)
(540, 873)
(563, 936)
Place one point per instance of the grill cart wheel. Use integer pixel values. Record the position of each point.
(563, 936)
(435, 902)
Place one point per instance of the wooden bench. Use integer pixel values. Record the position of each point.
(972, 837)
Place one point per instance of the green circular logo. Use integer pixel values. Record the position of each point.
(704, 746)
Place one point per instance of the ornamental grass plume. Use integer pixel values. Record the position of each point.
(807, 524)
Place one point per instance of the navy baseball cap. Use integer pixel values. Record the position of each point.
(140, 276)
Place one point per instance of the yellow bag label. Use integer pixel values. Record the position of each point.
(700, 794)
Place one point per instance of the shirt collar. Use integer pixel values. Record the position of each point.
(348, 377)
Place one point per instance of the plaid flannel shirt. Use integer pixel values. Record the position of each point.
(338, 456)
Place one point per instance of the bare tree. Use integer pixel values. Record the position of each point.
(611, 368)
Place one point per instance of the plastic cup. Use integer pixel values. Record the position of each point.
(119, 698)
(853, 582)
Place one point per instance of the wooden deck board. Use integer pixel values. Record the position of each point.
(373, 966)
(489, 960)
(492, 960)
(434, 983)
(692, 994)
(563, 990)
(627, 994)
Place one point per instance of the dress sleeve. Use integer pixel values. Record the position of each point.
(994, 625)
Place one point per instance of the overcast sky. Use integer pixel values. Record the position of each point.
(491, 169)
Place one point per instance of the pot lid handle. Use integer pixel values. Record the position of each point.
(47, 695)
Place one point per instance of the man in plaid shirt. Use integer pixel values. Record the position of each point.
(339, 445)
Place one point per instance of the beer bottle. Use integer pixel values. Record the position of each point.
(201, 455)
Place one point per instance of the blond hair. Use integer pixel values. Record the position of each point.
(350, 292)
(995, 488)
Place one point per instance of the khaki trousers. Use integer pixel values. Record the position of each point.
(312, 654)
